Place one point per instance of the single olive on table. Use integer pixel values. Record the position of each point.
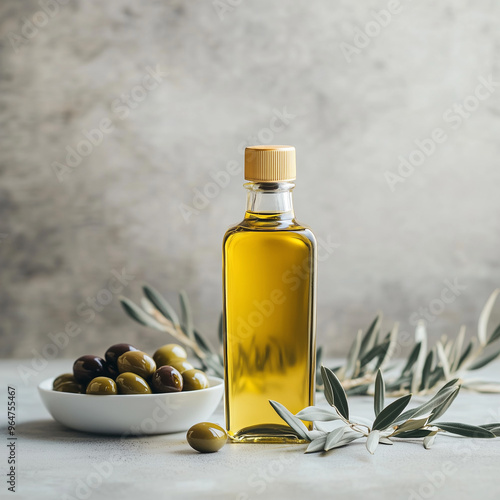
(102, 386)
(131, 383)
(167, 379)
(137, 362)
(194, 380)
(166, 354)
(206, 437)
(89, 367)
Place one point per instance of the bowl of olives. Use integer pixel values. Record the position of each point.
(156, 394)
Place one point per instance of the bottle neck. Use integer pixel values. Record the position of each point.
(270, 199)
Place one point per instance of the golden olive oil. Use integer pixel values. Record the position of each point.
(269, 308)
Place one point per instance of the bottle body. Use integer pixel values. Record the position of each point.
(269, 275)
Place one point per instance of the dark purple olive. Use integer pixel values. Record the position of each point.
(112, 371)
(115, 351)
(166, 379)
(89, 367)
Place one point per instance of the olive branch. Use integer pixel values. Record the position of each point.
(390, 422)
(425, 369)
(156, 312)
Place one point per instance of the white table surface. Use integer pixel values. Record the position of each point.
(54, 462)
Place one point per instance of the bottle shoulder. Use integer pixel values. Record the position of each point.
(278, 227)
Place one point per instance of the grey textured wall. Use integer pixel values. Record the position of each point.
(177, 89)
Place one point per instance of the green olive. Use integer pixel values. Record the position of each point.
(102, 386)
(70, 386)
(137, 362)
(180, 365)
(65, 377)
(130, 383)
(194, 380)
(206, 437)
(167, 353)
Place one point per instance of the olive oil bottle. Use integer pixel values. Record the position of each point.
(269, 278)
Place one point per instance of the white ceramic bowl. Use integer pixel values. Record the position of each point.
(132, 414)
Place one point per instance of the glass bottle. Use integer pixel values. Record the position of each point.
(269, 280)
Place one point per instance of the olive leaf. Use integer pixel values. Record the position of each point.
(416, 434)
(484, 318)
(328, 390)
(429, 441)
(161, 304)
(494, 428)
(338, 395)
(465, 355)
(426, 372)
(391, 412)
(428, 406)
(467, 430)
(136, 313)
(411, 425)
(315, 414)
(484, 361)
(443, 360)
(493, 425)
(203, 342)
(379, 396)
(187, 317)
(345, 440)
(369, 338)
(334, 437)
(372, 441)
(421, 337)
(317, 444)
(411, 359)
(379, 351)
(295, 423)
(352, 357)
(439, 410)
(392, 338)
(494, 336)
